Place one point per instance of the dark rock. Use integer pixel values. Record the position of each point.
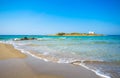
(26, 38)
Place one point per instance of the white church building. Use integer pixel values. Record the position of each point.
(91, 32)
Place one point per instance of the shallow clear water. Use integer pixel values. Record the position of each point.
(101, 53)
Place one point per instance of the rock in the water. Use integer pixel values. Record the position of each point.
(25, 38)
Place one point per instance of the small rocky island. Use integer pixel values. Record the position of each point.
(77, 34)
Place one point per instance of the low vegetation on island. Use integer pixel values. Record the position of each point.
(77, 34)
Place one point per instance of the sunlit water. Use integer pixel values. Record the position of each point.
(99, 53)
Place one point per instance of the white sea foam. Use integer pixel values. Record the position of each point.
(97, 72)
(16, 39)
(27, 52)
(62, 60)
(81, 63)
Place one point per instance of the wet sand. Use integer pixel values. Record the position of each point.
(14, 64)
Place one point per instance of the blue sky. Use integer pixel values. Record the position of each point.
(52, 16)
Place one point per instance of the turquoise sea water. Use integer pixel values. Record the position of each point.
(97, 53)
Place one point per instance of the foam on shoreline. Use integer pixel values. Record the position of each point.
(43, 57)
(97, 72)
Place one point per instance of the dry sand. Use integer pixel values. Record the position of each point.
(13, 64)
(7, 51)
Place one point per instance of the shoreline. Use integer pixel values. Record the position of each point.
(47, 73)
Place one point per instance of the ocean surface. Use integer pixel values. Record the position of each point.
(100, 54)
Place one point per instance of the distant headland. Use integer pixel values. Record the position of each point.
(77, 34)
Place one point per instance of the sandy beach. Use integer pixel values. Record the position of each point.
(7, 51)
(14, 64)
